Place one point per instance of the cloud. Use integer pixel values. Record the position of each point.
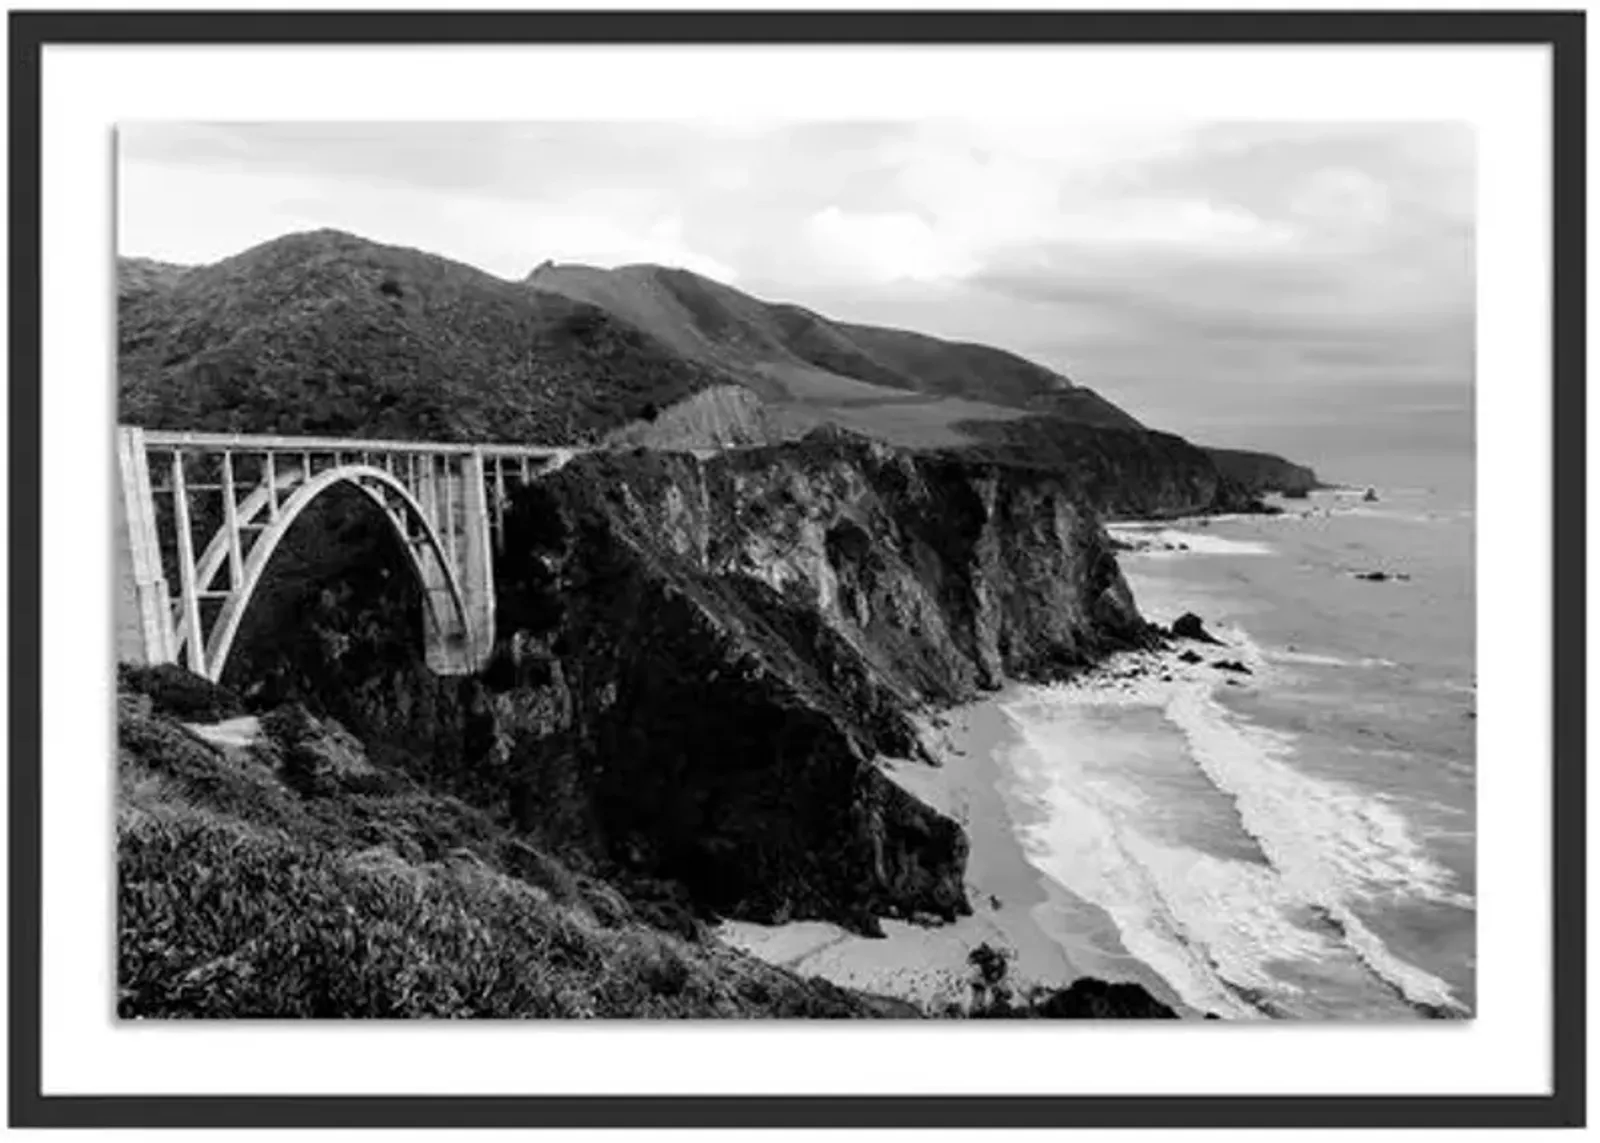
(881, 247)
(1306, 258)
(527, 235)
(479, 193)
(1171, 261)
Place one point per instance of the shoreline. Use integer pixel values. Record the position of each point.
(927, 964)
(1237, 853)
(1050, 935)
(1343, 832)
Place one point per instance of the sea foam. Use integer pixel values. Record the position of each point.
(1171, 542)
(1080, 842)
(1333, 847)
(1213, 925)
(1308, 659)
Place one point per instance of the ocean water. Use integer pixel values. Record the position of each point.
(1297, 842)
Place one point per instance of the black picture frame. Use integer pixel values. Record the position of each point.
(1562, 31)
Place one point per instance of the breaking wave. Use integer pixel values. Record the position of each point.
(1331, 846)
(1216, 924)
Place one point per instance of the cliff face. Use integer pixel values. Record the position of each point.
(1122, 472)
(944, 575)
(1262, 472)
(699, 661)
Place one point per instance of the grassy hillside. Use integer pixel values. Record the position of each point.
(326, 333)
(1083, 407)
(704, 318)
(903, 387)
(289, 876)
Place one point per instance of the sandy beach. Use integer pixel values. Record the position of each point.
(1050, 936)
(928, 964)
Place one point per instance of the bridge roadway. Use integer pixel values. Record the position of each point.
(198, 517)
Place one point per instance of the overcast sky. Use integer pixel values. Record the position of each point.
(1203, 275)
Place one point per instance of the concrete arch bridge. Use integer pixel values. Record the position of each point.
(198, 517)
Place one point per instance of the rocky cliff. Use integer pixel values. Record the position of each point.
(1262, 472)
(1122, 472)
(700, 659)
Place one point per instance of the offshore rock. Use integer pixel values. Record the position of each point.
(1189, 626)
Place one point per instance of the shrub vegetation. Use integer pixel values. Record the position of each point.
(362, 895)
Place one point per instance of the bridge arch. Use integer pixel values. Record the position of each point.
(180, 602)
(447, 619)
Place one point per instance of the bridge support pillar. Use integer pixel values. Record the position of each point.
(477, 559)
(144, 611)
(454, 648)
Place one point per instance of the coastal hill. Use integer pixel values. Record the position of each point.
(793, 357)
(138, 277)
(1263, 470)
(328, 334)
(702, 658)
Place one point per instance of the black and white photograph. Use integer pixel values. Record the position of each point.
(796, 569)
(908, 570)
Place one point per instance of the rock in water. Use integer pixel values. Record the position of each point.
(1189, 626)
(1370, 496)
(1233, 665)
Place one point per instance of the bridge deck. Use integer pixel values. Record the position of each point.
(248, 443)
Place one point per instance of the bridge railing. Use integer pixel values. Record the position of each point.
(251, 442)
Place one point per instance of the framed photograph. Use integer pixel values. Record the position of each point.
(708, 569)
